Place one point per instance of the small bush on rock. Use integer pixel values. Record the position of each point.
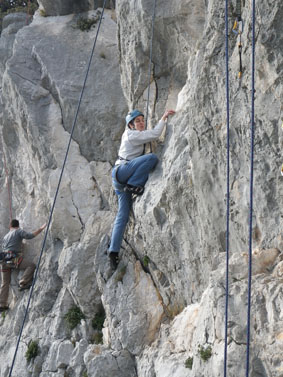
(189, 362)
(85, 24)
(32, 351)
(73, 317)
(146, 260)
(205, 353)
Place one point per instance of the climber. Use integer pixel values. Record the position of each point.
(130, 172)
(12, 250)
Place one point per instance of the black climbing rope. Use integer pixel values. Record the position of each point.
(228, 185)
(252, 132)
(57, 190)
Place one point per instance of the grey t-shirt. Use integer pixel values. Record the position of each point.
(13, 240)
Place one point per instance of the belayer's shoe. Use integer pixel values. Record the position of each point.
(3, 308)
(136, 190)
(114, 260)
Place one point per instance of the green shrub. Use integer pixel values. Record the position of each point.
(43, 13)
(189, 362)
(98, 320)
(85, 24)
(73, 317)
(32, 351)
(146, 260)
(205, 353)
(84, 374)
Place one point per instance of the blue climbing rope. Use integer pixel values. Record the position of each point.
(57, 190)
(228, 186)
(252, 132)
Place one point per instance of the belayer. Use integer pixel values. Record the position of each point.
(131, 171)
(12, 257)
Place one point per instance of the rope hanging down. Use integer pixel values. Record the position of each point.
(57, 190)
(251, 187)
(252, 132)
(228, 186)
(149, 68)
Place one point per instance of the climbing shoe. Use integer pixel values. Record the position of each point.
(114, 260)
(3, 308)
(136, 190)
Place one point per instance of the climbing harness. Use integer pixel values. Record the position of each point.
(57, 189)
(238, 29)
(251, 181)
(11, 259)
(122, 158)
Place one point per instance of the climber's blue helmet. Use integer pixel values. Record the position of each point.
(132, 115)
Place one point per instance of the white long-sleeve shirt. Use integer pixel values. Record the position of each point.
(132, 143)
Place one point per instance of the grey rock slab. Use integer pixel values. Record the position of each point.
(107, 363)
(132, 289)
(156, 315)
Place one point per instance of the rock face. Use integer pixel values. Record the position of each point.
(164, 308)
(64, 7)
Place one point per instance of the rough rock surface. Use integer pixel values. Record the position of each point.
(64, 7)
(166, 301)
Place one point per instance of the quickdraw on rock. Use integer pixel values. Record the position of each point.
(238, 29)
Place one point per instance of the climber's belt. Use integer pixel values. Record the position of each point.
(122, 158)
(11, 259)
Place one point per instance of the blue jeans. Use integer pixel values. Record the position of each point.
(135, 173)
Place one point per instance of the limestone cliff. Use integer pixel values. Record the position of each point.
(165, 303)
